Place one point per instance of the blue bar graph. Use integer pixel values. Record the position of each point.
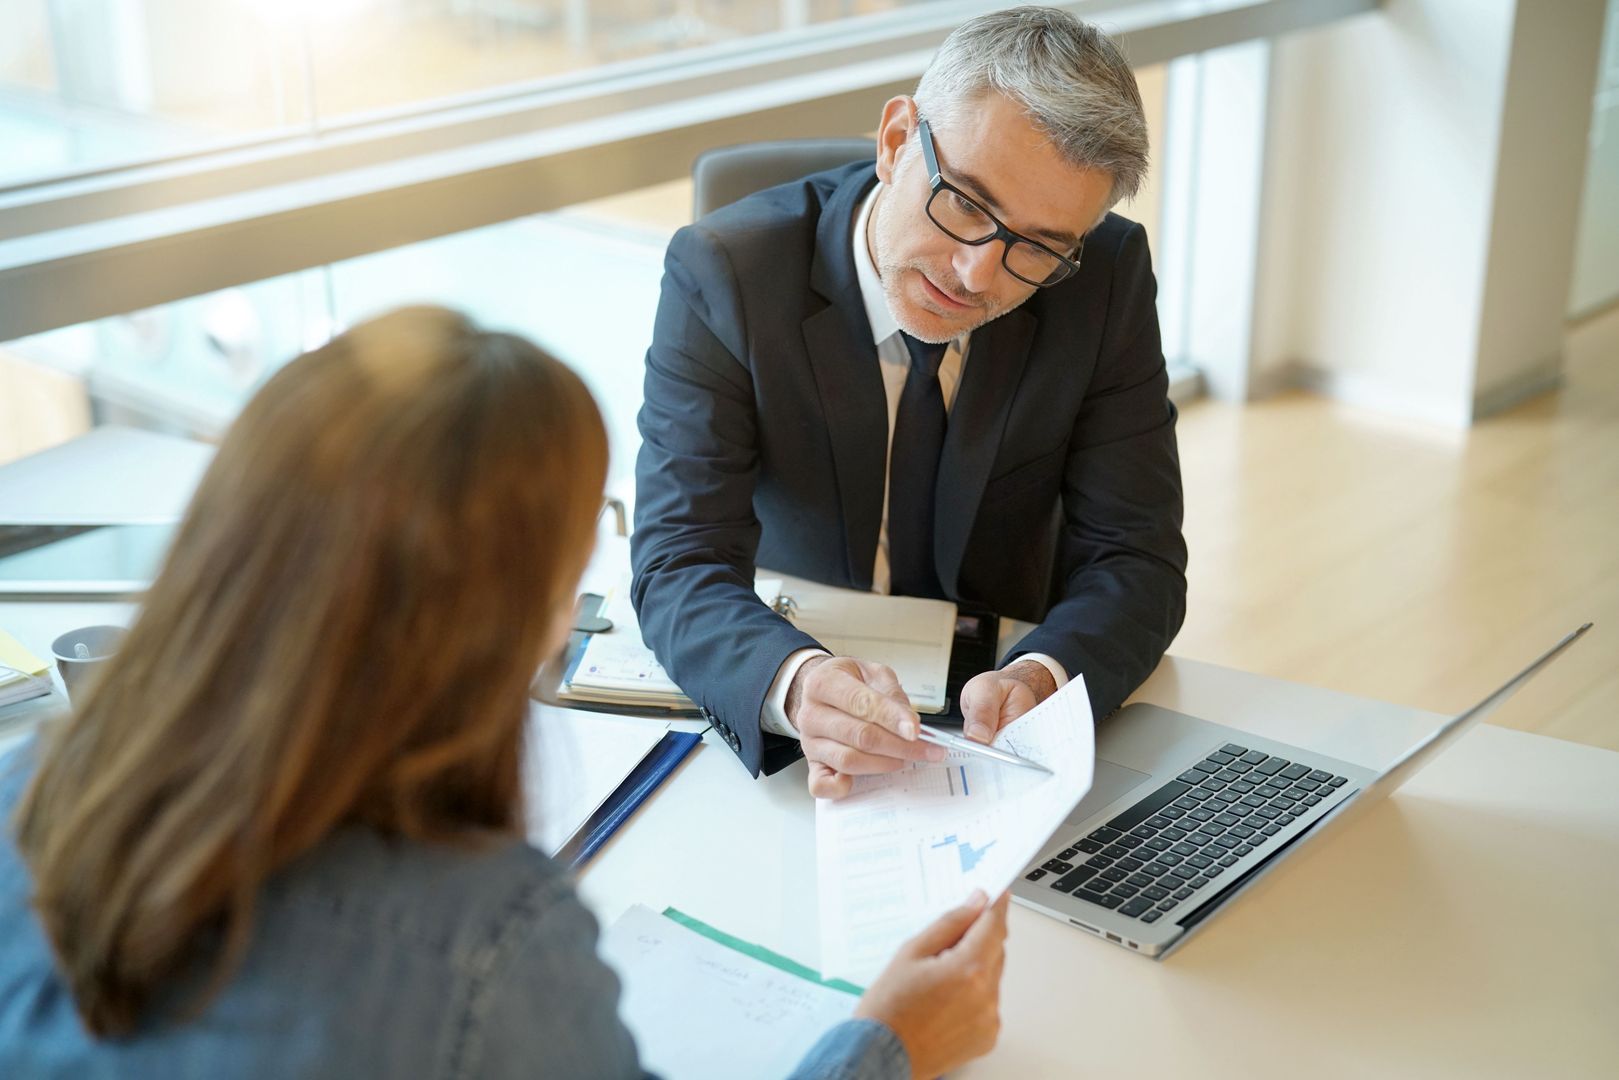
(970, 855)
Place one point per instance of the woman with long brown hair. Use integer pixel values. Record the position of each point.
(282, 833)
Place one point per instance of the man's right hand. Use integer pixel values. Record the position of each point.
(853, 719)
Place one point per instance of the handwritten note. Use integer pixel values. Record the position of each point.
(698, 1009)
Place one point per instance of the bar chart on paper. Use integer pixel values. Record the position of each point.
(968, 855)
(904, 847)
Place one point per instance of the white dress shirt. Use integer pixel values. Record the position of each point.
(894, 360)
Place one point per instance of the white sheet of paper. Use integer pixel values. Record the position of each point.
(904, 847)
(702, 1011)
(574, 760)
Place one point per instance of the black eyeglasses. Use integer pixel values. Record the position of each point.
(959, 217)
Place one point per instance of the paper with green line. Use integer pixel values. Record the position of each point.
(704, 1003)
(759, 952)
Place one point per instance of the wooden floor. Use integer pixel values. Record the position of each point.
(1333, 547)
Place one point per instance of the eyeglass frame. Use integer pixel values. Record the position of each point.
(937, 184)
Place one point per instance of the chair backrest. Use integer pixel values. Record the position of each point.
(721, 177)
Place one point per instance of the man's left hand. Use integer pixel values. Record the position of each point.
(996, 698)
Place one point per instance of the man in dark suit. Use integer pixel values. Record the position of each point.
(938, 374)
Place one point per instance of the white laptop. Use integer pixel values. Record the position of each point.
(1184, 815)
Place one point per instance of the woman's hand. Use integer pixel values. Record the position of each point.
(941, 994)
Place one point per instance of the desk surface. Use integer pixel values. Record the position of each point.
(1467, 927)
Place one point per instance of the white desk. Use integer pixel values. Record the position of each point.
(1468, 927)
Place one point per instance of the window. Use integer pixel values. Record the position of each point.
(87, 84)
(172, 287)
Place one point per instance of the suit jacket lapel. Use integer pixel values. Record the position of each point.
(843, 358)
(995, 361)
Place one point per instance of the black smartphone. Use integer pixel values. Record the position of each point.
(978, 633)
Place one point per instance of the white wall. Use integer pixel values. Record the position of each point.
(1214, 160)
(1540, 169)
(1596, 260)
(1405, 197)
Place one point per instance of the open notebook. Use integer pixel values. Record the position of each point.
(614, 667)
(910, 635)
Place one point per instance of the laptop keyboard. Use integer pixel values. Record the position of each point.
(1162, 850)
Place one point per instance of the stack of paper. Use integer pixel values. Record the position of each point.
(616, 668)
(904, 847)
(22, 674)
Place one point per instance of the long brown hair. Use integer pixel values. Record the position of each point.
(344, 631)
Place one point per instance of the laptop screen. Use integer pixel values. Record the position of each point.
(81, 559)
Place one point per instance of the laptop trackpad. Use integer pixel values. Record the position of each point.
(1110, 782)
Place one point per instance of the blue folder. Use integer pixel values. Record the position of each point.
(643, 780)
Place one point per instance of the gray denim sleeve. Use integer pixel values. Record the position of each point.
(550, 1007)
(856, 1050)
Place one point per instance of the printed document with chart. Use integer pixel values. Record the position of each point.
(903, 848)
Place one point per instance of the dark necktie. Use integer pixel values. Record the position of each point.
(913, 474)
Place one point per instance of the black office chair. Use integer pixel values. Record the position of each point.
(721, 177)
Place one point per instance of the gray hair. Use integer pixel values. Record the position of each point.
(1070, 78)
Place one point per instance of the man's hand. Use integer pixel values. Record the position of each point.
(853, 719)
(996, 698)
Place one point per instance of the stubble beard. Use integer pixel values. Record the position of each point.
(893, 273)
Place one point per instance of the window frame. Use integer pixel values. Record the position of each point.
(105, 241)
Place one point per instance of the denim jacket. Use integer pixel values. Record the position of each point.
(370, 956)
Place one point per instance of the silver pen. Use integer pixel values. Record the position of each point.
(977, 749)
